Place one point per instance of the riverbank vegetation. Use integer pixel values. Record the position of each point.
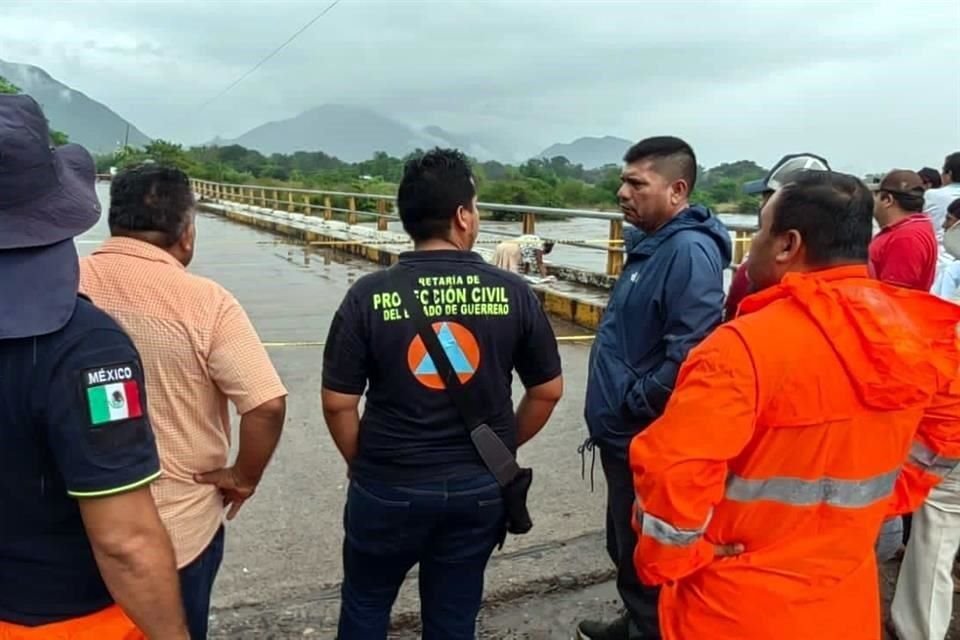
(547, 182)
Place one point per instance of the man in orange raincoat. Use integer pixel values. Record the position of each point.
(828, 405)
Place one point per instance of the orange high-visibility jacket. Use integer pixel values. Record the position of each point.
(795, 430)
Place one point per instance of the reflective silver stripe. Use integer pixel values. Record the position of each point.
(665, 533)
(805, 493)
(923, 457)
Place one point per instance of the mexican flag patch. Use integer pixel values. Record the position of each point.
(118, 399)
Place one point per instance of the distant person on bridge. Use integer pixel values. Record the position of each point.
(422, 489)
(936, 201)
(781, 172)
(200, 351)
(668, 298)
(931, 178)
(83, 553)
(794, 431)
(523, 254)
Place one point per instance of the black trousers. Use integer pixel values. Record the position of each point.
(639, 599)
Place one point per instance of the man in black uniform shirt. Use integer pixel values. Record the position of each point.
(79, 532)
(419, 492)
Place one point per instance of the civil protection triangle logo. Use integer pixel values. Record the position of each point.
(461, 348)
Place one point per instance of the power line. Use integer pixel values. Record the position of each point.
(271, 54)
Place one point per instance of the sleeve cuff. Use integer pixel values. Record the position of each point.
(257, 397)
(537, 380)
(344, 388)
(102, 493)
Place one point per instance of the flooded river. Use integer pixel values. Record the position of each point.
(576, 229)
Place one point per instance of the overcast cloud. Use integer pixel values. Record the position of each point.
(870, 85)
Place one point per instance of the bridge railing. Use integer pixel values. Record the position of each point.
(355, 208)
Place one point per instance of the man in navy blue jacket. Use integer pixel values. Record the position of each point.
(668, 298)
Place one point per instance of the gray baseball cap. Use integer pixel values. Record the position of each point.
(784, 171)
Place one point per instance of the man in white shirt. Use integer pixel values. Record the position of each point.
(936, 202)
(922, 604)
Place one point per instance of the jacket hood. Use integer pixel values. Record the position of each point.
(897, 345)
(696, 217)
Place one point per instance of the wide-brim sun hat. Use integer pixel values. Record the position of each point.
(47, 195)
(38, 289)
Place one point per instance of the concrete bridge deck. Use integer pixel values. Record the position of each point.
(282, 567)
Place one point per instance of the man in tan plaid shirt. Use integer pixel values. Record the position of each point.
(199, 350)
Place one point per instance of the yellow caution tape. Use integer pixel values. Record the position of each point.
(311, 343)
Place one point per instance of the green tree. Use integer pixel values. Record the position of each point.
(57, 138)
(605, 189)
(724, 190)
(572, 193)
(738, 172)
(7, 87)
(554, 182)
(164, 152)
(494, 170)
(699, 196)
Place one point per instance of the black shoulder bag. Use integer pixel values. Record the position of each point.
(513, 479)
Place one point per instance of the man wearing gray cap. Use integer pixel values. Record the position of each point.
(787, 167)
(83, 553)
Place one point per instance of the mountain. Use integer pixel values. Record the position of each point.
(590, 152)
(352, 134)
(85, 120)
(349, 133)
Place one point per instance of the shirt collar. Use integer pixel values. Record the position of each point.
(137, 249)
(913, 217)
(443, 255)
(762, 298)
(831, 273)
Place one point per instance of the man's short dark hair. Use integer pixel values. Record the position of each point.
(151, 198)
(952, 166)
(932, 176)
(433, 187)
(833, 213)
(671, 156)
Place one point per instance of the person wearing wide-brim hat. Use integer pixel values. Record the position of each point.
(83, 552)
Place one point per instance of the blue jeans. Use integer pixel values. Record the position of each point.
(449, 527)
(890, 539)
(196, 585)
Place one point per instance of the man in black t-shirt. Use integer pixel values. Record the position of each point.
(83, 553)
(419, 492)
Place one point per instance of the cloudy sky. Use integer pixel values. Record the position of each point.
(871, 85)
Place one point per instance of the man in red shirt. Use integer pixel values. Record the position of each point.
(904, 253)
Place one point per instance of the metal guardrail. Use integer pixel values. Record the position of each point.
(312, 202)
